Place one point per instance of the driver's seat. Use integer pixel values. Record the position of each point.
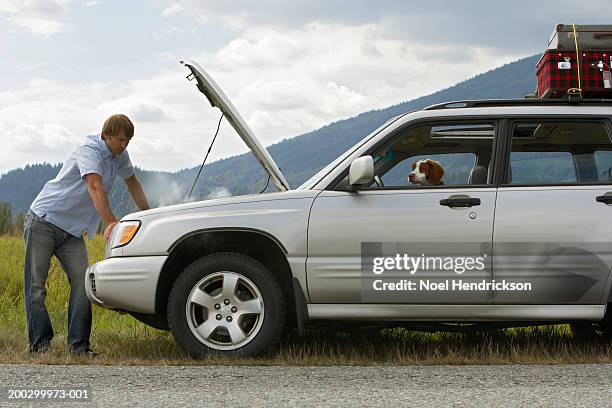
(478, 175)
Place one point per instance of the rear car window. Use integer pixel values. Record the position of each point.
(542, 167)
(560, 152)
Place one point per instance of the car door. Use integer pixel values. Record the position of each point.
(553, 219)
(348, 231)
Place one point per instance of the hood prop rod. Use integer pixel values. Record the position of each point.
(206, 157)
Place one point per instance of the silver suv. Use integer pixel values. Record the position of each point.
(512, 227)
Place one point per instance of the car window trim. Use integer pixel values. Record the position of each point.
(410, 188)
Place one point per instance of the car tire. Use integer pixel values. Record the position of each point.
(226, 304)
(583, 330)
(605, 326)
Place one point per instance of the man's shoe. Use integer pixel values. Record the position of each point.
(42, 349)
(87, 352)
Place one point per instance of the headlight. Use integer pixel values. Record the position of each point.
(124, 232)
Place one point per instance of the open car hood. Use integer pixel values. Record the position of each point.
(218, 99)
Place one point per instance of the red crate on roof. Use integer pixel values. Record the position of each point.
(557, 72)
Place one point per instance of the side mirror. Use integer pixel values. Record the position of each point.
(361, 172)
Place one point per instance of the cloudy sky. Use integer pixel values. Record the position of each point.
(288, 66)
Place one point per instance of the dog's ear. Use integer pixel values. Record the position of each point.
(413, 165)
(436, 171)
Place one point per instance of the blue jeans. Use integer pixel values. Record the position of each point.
(42, 241)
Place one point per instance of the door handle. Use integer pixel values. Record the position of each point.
(606, 198)
(460, 202)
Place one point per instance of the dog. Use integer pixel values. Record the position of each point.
(426, 173)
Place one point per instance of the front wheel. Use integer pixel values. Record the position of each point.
(226, 304)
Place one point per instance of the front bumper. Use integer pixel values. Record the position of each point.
(127, 283)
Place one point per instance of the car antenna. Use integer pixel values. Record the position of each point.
(206, 157)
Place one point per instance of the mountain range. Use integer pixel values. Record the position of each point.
(298, 157)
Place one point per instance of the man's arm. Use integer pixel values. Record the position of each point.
(135, 189)
(100, 200)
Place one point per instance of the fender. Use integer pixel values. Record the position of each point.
(227, 229)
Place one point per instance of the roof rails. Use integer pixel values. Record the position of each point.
(515, 102)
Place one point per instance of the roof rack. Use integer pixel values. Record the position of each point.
(515, 102)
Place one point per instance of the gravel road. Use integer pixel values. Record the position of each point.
(388, 386)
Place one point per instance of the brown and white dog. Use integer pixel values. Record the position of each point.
(426, 173)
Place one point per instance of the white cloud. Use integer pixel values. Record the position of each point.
(173, 123)
(290, 81)
(284, 83)
(39, 26)
(139, 109)
(172, 10)
(167, 31)
(50, 137)
(289, 67)
(518, 26)
(41, 17)
(168, 56)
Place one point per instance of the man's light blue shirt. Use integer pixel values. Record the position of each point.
(65, 201)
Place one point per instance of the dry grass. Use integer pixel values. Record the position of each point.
(120, 339)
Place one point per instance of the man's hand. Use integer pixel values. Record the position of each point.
(109, 230)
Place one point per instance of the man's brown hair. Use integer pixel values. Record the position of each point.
(117, 123)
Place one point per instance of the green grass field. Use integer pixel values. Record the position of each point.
(120, 339)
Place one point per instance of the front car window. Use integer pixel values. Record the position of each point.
(560, 152)
(462, 150)
(457, 169)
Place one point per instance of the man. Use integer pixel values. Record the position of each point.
(67, 206)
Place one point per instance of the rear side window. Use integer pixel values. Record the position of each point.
(542, 167)
(560, 152)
